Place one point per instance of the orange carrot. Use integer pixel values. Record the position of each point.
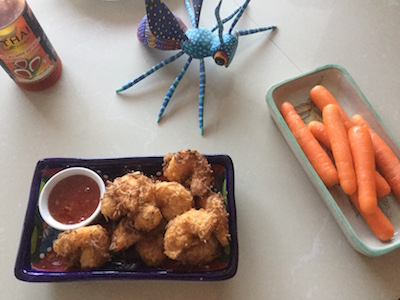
(340, 148)
(364, 165)
(379, 224)
(382, 186)
(322, 97)
(318, 130)
(318, 158)
(386, 160)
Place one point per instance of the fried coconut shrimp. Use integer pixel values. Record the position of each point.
(151, 249)
(125, 194)
(124, 235)
(151, 246)
(189, 168)
(214, 202)
(147, 218)
(85, 247)
(172, 198)
(189, 238)
(130, 230)
(130, 199)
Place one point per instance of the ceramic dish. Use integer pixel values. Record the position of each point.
(338, 81)
(36, 262)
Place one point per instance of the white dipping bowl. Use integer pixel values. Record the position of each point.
(48, 187)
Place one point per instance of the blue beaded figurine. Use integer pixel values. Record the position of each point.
(161, 29)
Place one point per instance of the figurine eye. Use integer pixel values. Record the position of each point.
(221, 58)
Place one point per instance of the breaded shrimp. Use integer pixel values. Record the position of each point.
(189, 168)
(125, 194)
(85, 247)
(111, 207)
(147, 218)
(150, 247)
(151, 250)
(189, 237)
(124, 236)
(201, 253)
(172, 198)
(214, 202)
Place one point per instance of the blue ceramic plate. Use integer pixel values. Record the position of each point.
(339, 82)
(36, 262)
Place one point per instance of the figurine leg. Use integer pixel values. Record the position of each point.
(202, 88)
(172, 88)
(151, 71)
(255, 30)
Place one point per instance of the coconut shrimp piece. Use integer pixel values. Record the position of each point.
(172, 198)
(189, 168)
(85, 247)
(201, 253)
(130, 229)
(111, 207)
(151, 247)
(189, 238)
(125, 194)
(147, 218)
(124, 235)
(214, 202)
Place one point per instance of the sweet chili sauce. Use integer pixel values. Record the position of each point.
(74, 199)
(26, 54)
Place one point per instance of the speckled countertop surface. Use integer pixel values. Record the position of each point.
(290, 246)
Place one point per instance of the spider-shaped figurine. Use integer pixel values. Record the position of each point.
(161, 29)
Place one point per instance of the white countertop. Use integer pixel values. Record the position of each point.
(290, 246)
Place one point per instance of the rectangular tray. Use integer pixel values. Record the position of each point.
(339, 82)
(35, 263)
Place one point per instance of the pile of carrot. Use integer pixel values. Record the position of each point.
(363, 164)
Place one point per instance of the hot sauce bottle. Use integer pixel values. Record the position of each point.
(26, 54)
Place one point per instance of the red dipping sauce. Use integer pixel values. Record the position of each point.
(74, 199)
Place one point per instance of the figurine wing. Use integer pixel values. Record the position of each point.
(162, 23)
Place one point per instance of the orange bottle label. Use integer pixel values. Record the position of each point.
(25, 52)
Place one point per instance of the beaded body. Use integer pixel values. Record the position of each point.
(203, 43)
(161, 29)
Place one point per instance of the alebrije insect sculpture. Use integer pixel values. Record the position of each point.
(161, 29)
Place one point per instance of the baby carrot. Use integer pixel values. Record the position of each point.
(364, 165)
(386, 160)
(340, 148)
(382, 186)
(318, 158)
(321, 97)
(379, 224)
(318, 130)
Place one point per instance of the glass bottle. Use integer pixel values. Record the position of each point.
(26, 54)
